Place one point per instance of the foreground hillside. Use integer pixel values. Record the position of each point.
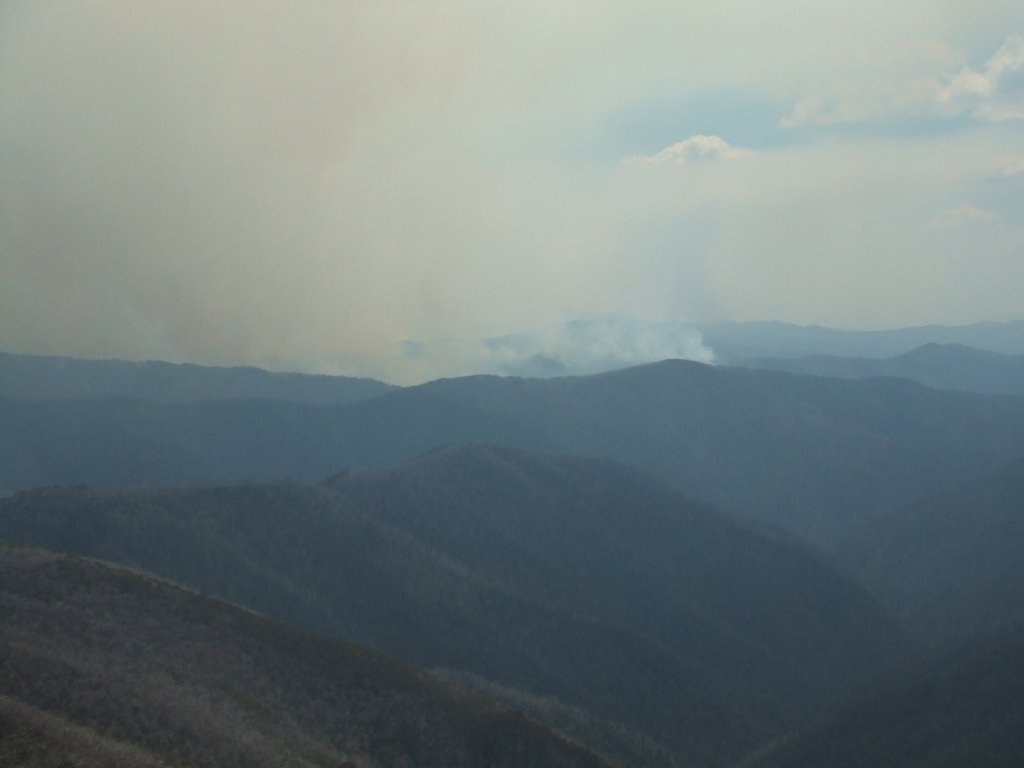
(810, 454)
(572, 578)
(107, 666)
(965, 709)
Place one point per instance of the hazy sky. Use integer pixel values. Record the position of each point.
(305, 184)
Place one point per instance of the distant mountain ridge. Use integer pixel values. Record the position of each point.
(946, 366)
(574, 348)
(732, 341)
(41, 378)
(812, 455)
(612, 342)
(568, 577)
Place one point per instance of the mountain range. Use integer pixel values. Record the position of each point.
(35, 377)
(610, 342)
(947, 366)
(671, 565)
(808, 454)
(732, 341)
(576, 579)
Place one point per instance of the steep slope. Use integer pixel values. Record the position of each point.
(949, 564)
(571, 578)
(606, 541)
(813, 455)
(41, 378)
(965, 709)
(947, 366)
(108, 666)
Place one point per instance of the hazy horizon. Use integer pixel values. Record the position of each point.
(309, 186)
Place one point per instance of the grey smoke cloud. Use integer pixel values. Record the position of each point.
(577, 347)
(256, 182)
(305, 185)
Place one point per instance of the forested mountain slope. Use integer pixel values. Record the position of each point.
(963, 709)
(108, 666)
(949, 564)
(574, 578)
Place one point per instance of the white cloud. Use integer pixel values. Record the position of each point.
(881, 79)
(697, 147)
(921, 84)
(1013, 166)
(965, 215)
(824, 112)
(995, 93)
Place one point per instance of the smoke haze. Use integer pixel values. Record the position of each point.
(579, 347)
(307, 185)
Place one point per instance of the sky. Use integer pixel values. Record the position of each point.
(308, 185)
